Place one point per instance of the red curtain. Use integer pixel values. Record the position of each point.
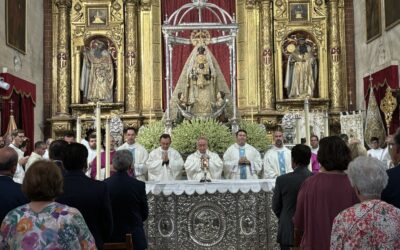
(380, 80)
(23, 95)
(181, 52)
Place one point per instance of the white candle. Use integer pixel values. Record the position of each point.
(326, 127)
(108, 148)
(298, 137)
(307, 120)
(150, 115)
(252, 115)
(78, 130)
(98, 141)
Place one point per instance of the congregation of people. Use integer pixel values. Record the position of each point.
(333, 194)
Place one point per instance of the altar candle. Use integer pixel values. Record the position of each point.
(78, 130)
(326, 127)
(108, 147)
(150, 115)
(307, 120)
(98, 141)
(252, 115)
(298, 140)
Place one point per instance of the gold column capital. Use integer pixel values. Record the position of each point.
(250, 4)
(134, 2)
(145, 4)
(63, 3)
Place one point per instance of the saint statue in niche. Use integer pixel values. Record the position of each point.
(201, 90)
(301, 74)
(97, 77)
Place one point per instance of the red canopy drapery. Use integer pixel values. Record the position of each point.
(23, 95)
(380, 80)
(180, 53)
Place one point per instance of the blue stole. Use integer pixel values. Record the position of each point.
(281, 160)
(243, 173)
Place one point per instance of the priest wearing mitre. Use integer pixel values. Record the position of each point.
(203, 163)
(164, 163)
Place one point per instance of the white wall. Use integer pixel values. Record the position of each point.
(375, 55)
(32, 62)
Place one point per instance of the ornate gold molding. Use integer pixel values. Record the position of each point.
(267, 84)
(146, 5)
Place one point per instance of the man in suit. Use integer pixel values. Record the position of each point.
(286, 189)
(391, 194)
(89, 196)
(128, 201)
(11, 195)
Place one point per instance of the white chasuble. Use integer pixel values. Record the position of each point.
(140, 156)
(277, 161)
(193, 166)
(231, 162)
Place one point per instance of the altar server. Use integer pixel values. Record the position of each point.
(139, 153)
(277, 160)
(203, 163)
(164, 163)
(241, 160)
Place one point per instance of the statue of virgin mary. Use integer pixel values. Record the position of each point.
(199, 84)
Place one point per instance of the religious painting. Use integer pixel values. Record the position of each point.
(373, 19)
(97, 16)
(16, 24)
(298, 12)
(392, 13)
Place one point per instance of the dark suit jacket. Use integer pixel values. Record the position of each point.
(11, 196)
(92, 199)
(391, 194)
(130, 208)
(284, 201)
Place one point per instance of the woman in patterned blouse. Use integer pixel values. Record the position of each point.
(43, 223)
(371, 224)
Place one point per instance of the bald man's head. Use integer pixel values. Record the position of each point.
(8, 159)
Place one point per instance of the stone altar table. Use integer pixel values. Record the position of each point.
(223, 214)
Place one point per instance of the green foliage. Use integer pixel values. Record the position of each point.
(256, 135)
(149, 135)
(185, 135)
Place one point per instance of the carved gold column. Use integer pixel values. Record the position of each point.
(337, 86)
(267, 84)
(131, 72)
(63, 58)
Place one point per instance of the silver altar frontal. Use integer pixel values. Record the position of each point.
(223, 214)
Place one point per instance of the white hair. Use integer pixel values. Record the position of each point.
(368, 175)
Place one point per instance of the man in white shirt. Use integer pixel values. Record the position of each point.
(277, 160)
(139, 153)
(241, 160)
(17, 137)
(37, 154)
(203, 164)
(46, 153)
(164, 163)
(376, 151)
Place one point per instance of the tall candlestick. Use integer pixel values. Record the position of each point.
(252, 115)
(108, 147)
(307, 120)
(326, 123)
(78, 130)
(298, 137)
(98, 141)
(150, 115)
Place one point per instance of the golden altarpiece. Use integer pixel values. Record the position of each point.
(128, 34)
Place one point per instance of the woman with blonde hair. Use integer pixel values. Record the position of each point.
(357, 149)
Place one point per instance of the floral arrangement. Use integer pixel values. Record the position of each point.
(256, 135)
(149, 135)
(185, 136)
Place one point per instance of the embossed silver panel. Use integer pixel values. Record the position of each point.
(212, 221)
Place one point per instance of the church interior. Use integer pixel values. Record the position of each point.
(304, 67)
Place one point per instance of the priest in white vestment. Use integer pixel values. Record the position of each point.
(203, 163)
(37, 154)
(164, 163)
(376, 151)
(277, 160)
(139, 153)
(241, 160)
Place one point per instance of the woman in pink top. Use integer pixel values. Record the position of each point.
(323, 196)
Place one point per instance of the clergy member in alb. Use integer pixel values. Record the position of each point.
(277, 160)
(210, 161)
(164, 163)
(139, 153)
(241, 160)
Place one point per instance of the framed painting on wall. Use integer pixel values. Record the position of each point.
(97, 16)
(298, 12)
(16, 24)
(392, 13)
(373, 19)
